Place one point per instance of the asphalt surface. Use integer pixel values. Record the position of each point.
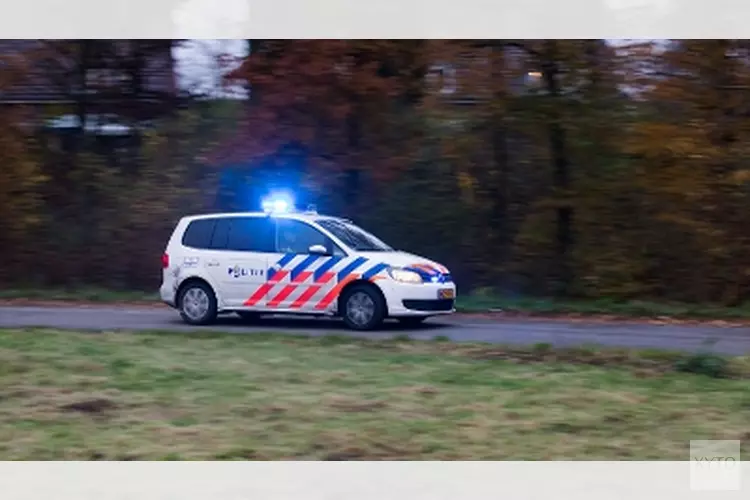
(730, 341)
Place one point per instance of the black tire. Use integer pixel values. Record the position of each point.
(248, 316)
(196, 290)
(374, 318)
(412, 320)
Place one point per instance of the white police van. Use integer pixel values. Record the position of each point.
(287, 262)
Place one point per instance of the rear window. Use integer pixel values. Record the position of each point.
(198, 233)
(242, 234)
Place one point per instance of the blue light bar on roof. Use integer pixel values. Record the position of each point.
(278, 203)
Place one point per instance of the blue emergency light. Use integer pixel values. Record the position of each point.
(278, 203)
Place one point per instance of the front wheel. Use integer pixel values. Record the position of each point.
(197, 304)
(363, 307)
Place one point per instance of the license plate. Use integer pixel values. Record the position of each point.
(446, 293)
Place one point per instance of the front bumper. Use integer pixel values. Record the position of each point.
(418, 300)
(430, 305)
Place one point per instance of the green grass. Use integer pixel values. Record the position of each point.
(483, 302)
(84, 294)
(479, 302)
(70, 395)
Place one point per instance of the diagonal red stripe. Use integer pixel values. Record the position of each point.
(265, 288)
(326, 301)
(301, 277)
(259, 294)
(305, 297)
(325, 277)
(284, 293)
(310, 292)
(279, 276)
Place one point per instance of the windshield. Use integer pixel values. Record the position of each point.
(354, 237)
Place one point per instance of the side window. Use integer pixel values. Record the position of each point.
(293, 236)
(221, 235)
(250, 234)
(198, 233)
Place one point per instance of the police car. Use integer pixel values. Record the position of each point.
(284, 261)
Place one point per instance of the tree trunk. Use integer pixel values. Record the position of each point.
(85, 53)
(500, 157)
(352, 174)
(561, 167)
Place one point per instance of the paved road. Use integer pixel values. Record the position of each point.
(732, 341)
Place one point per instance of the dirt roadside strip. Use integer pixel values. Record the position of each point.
(498, 316)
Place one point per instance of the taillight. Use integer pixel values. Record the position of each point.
(165, 261)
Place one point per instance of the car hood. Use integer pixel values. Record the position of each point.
(406, 260)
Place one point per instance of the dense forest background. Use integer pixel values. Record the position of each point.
(567, 168)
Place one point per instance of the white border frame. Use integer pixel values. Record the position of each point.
(349, 480)
(245, 19)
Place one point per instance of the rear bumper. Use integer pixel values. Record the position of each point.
(418, 300)
(167, 294)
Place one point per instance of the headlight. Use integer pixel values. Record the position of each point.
(404, 276)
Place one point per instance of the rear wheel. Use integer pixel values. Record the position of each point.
(197, 304)
(362, 307)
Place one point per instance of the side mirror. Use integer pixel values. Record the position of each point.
(318, 250)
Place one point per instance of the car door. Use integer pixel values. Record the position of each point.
(206, 248)
(243, 268)
(299, 279)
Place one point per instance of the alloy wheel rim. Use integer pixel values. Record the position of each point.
(360, 308)
(195, 303)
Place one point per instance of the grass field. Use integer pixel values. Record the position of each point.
(479, 302)
(87, 294)
(69, 395)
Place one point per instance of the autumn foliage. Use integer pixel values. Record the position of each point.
(529, 167)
